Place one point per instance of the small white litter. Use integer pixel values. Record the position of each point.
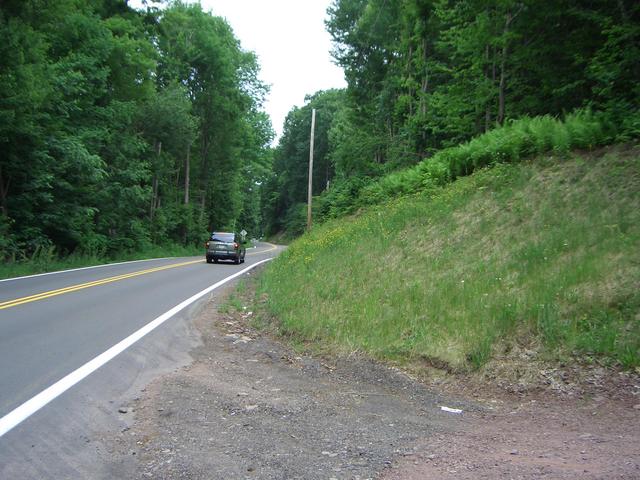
(450, 410)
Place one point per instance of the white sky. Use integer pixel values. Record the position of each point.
(292, 45)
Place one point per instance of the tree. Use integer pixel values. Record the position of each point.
(107, 114)
(200, 52)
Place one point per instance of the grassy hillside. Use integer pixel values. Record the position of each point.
(545, 253)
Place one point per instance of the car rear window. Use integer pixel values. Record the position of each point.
(222, 237)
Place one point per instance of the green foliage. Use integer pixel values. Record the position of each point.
(425, 76)
(8, 247)
(544, 251)
(430, 74)
(124, 129)
(515, 141)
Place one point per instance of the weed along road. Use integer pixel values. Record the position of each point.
(72, 341)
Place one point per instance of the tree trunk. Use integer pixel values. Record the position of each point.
(154, 184)
(423, 96)
(423, 89)
(186, 175)
(509, 18)
(202, 204)
(425, 80)
(4, 193)
(410, 91)
(503, 79)
(154, 195)
(491, 74)
(204, 172)
(501, 89)
(326, 177)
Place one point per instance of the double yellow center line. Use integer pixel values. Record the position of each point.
(74, 288)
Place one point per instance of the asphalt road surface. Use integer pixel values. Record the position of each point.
(52, 325)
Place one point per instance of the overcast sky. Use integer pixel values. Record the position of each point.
(292, 45)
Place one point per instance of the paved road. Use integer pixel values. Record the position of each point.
(51, 325)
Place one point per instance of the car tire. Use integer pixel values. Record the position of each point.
(215, 260)
(209, 260)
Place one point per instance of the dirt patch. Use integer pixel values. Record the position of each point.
(531, 440)
(541, 420)
(251, 407)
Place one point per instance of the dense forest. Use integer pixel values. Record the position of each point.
(424, 75)
(121, 129)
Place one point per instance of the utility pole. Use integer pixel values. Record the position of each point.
(313, 125)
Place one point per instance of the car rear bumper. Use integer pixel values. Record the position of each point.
(224, 255)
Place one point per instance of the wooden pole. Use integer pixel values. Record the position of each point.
(313, 125)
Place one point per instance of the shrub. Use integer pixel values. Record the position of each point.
(8, 245)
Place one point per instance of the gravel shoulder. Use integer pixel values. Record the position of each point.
(248, 406)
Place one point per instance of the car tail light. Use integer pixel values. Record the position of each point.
(235, 246)
(206, 244)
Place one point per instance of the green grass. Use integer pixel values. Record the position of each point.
(544, 253)
(234, 302)
(47, 260)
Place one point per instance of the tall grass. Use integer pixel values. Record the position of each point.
(544, 252)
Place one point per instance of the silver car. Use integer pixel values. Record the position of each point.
(225, 246)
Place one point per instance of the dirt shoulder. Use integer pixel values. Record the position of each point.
(248, 406)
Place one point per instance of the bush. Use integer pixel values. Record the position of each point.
(295, 220)
(8, 244)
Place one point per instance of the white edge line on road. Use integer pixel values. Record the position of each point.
(28, 408)
(84, 268)
(102, 266)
